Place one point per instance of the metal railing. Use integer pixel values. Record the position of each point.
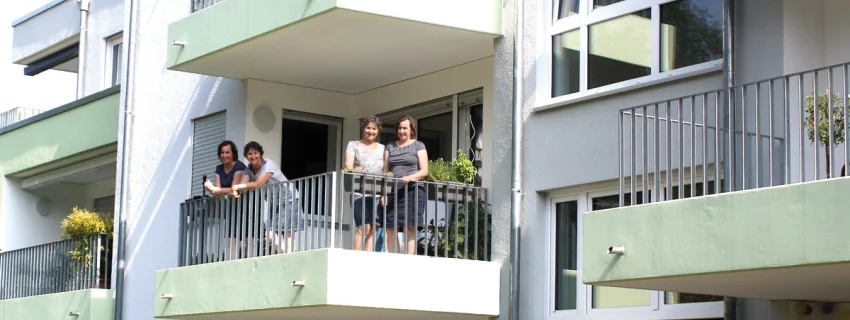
(13, 115)
(329, 210)
(61, 266)
(198, 5)
(684, 147)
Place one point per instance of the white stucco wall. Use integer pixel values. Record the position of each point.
(23, 226)
(106, 18)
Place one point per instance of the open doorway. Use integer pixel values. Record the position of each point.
(310, 145)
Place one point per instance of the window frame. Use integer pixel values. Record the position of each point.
(111, 42)
(552, 26)
(657, 310)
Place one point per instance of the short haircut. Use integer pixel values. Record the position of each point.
(369, 120)
(253, 145)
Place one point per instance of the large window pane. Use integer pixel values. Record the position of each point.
(620, 49)
(568, 8)
(611, 297)
(436, 133)
(566, 255)
(566, 63)
(691, 33)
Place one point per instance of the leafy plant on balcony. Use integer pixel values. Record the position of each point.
(461, 169)
(459, 238)
(81, 225)
(825, 103)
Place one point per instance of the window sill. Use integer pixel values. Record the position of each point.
(625, 86)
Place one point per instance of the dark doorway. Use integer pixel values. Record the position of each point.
(304, 149)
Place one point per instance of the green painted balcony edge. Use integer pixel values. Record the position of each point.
(777, 227)
(330, 278)
(232, 22)
(82, 125)
(90, 304)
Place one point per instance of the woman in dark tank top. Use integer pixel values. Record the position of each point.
(230, 170)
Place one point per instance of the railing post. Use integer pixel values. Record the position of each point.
(336, 205)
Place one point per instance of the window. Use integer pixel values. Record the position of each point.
(569, 298)
(114, 67)
(104, 205)
(207, 133)
(445, 125)
(607, 44)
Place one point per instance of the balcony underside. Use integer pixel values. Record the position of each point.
(779, 243)
(330, 45)
(336, 284)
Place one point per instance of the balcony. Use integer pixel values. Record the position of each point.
(69, 278)
(739, 194)
(47, 38)
(342, 46)
(231, 262)
(55, 139)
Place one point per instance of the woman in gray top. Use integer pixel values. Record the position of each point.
(257, 174)
(365, 156)
(407, 159)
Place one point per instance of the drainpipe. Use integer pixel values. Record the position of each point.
(128, 119)
(81, 55)
(730, 304)
(516, 182)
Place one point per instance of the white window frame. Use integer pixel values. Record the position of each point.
(111, 42)
(657, 310)
(551, 26)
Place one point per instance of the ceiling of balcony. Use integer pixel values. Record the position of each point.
(346, 51)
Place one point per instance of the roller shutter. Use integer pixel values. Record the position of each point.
(208, 133)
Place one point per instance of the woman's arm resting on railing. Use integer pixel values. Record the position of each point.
(349, 161)
(216, 189)
(246, 184)
(422, 156)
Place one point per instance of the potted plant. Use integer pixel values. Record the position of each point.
(824, 102)
(451, 181)
(84, 227)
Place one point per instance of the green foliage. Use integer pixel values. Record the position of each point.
(82, 224)
(461, 169)
(838, 125)
(460, 239)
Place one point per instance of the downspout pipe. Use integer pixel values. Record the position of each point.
(84, 36)
(516, 169)
(730, 304)
(127, 118)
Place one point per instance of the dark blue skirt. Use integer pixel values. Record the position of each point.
(406, 209)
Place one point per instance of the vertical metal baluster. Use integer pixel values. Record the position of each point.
(844, 118)
(771, 131)
(457, 203)
(758, 135)
(620, 153)
(657, 148)
(802, 129)
(681, 118)
(744, 138)
(466, 203)
(693, 148)
(815, 113)
(786, 145)
(705, 144)
(644, 181)
(829, 122)
(669, 167)
(632, 174)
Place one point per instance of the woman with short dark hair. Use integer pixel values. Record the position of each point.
(258, 172)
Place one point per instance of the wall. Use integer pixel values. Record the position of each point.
(106, 18)
(98, 189)
(160, 145)
(23, 226)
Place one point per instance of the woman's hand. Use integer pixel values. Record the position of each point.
(234, 193)
(211, 188)
(405, 179)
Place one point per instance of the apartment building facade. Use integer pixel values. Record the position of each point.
(297, 77)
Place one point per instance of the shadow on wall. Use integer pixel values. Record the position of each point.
(169, 184)
(36, 215)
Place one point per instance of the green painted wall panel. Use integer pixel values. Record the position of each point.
(80, 128)
(793, 225)
(92, 304)
(242, 285)
(234, 21)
